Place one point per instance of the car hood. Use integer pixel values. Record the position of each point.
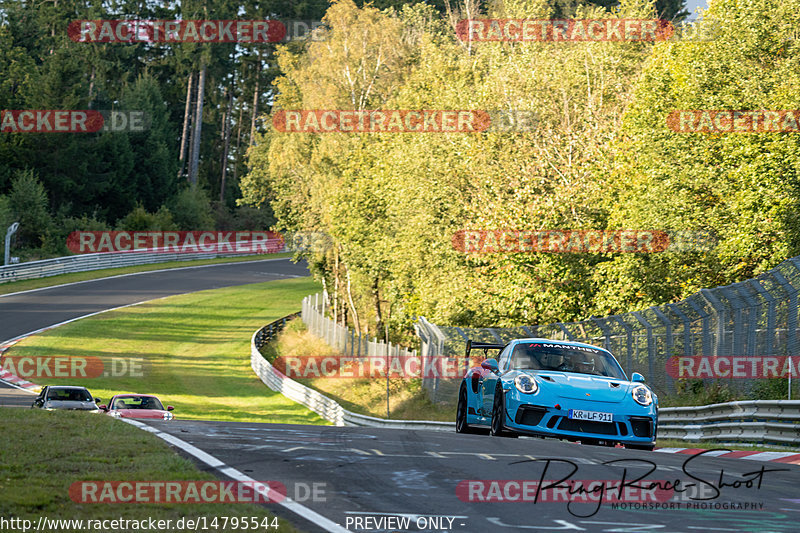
(585, 387)
(67, 404)
(141, 413)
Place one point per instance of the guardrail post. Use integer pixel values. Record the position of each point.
(12, 229)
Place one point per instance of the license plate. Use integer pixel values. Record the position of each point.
(594, 416)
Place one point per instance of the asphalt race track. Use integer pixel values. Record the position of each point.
(374, 479)
(376, 473)
(29, 311)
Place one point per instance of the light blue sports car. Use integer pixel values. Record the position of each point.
(567, 390)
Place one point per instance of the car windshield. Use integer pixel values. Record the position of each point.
(69, 395)
(137, 402)
(565, 358)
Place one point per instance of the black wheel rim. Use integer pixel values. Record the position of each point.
(497, 413)
(461, 415)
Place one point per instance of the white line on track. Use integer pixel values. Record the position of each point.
(210, 460)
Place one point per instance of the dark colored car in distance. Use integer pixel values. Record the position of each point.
(66, 397)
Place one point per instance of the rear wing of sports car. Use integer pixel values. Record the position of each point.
(485, 346)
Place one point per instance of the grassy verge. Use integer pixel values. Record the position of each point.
(43, 453)
(194, 351)
(407, 399)
(28, 284)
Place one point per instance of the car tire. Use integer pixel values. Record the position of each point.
(645, 447)
(461, 414)
(497, 428)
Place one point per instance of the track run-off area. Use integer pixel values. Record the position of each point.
(365, 479)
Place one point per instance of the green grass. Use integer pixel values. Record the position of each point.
(407, 399)
(43, 453)
(28, 284)
(195, 350)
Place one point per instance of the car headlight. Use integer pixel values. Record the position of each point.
(642, 395)
(526, 384)
(168, 416)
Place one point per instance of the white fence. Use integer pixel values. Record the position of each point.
(344, 339)
(87, 262)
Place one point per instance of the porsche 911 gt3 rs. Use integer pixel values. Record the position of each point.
(560, 389)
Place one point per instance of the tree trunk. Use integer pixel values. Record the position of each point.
(255, 103)
(238, 143)
(226, 135)
(336, 285)
(350, 299)
(187, 114)
(91, 87)
(198, 127)
(376, 301)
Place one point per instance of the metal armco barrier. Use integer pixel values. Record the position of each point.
(99, 261)
(751, 422)
(325, 407)
(268, 332)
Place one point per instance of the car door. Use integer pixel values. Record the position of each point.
(490, 381)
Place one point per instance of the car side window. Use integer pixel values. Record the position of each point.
(505, 355)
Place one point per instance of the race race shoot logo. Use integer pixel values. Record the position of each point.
(72, 367)
(563, 491)
(177, 492)
(734, 121)
(564, 30)
(72, 121)
(194, 31)
(402, 121)
(175, 242)
(371, 367)
(733, 366)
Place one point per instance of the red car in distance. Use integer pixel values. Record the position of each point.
(144, 406)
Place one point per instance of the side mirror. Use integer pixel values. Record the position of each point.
(170, 408)
(97, 400)
(104, 407)
(490, 364)
(637, 377)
